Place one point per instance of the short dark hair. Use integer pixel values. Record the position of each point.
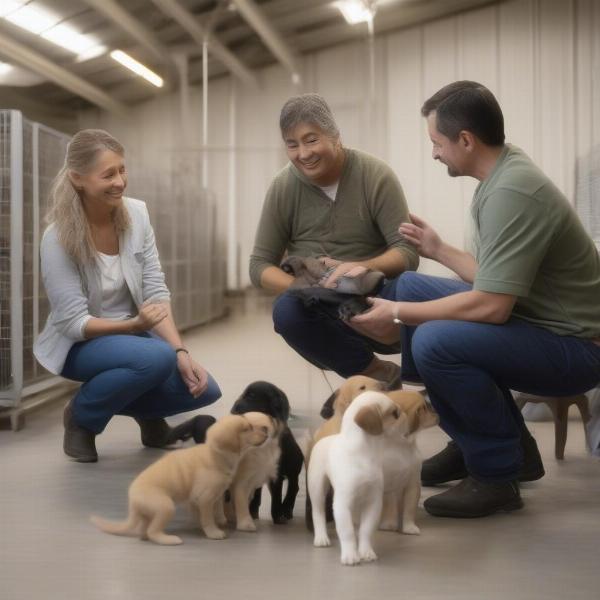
(469, 106)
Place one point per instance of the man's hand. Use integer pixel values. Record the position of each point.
(378, 322)
(348, 269)
(193, 375)
(422, 236)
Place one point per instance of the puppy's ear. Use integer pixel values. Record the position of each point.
(327, 409)
(421, 418)
(283, 412)
(227, 437)
(369, 419)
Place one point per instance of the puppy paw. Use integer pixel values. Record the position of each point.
(388, 526)
(246, 526)
(322, 541)
(367, 555)
(350, 558)
(215, 534)
(165, 540)
(410, 529)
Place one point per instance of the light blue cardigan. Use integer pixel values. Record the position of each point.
(75, 291)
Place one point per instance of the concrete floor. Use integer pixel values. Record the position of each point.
(48, 548)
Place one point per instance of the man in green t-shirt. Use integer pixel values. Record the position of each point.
(344, 206)
(524, 316)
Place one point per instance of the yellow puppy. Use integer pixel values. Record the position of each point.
(199, 475)
(341, 400)
(402, 462)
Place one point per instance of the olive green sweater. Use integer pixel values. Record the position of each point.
(300, 219)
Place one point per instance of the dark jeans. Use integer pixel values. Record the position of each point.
(134, 375)
(469, 369)
(325, 341)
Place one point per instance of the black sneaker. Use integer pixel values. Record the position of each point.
(195, 427)
(449, 464)
(155, 433)
(78, 443)
(444, 466)
(470, 499)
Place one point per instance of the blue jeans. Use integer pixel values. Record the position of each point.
(325, 341)
(469, 369)
(134, 375)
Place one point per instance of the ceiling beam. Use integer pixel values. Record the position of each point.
(37, 63)
(257, 19)
(189, 23)
(132, 27)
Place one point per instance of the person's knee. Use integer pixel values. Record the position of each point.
(286, 314)
(158, 360)
(431, 343)
(212, 392)
(407, 286)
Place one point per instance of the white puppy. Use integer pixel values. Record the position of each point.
(351, 461)
(402, 462)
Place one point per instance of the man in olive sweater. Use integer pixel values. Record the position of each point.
(524, 315)
(339, 204)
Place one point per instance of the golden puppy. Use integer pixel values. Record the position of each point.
(402, 462)
(199, 475)
(257, 467)
(340, 401)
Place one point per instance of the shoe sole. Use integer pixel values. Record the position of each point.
(442, 512)
(447, 479)
(522, 478)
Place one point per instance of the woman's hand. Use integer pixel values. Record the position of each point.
(149, 316)
(378, 322)
(193, 375)
(422, 236)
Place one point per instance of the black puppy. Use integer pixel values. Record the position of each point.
(264, 397)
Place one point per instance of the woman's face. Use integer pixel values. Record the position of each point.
(103, 185)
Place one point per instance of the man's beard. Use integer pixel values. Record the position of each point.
(453, 172)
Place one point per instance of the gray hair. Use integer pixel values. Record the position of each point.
(66, 209)
(308, 108)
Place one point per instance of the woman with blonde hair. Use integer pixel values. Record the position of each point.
(110, 324)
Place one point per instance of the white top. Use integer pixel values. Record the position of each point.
(117, 302)
(331, 190)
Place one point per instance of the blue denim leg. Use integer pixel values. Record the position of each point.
(118, 370)
(322, 339)
(469, 369)
(415, 287)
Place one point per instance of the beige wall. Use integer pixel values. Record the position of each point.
(540, 57)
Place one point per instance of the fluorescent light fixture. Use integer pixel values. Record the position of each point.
(48, 25)
(8, 6)
(32, 18)
(356, 11)
(136, 67)
(5, 69)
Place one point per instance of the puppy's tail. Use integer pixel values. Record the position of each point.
(128, 527)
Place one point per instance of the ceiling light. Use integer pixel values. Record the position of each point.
(32, 18)
(136, 67)
(5, 69)
(8, 6)
(48, 25)
(356, 11)
(65, 36)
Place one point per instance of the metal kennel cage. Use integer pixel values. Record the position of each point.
(184, 219)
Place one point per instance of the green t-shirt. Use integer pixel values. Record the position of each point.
(362, 222)
(530, 243)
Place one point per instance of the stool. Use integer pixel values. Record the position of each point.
(559, 405)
